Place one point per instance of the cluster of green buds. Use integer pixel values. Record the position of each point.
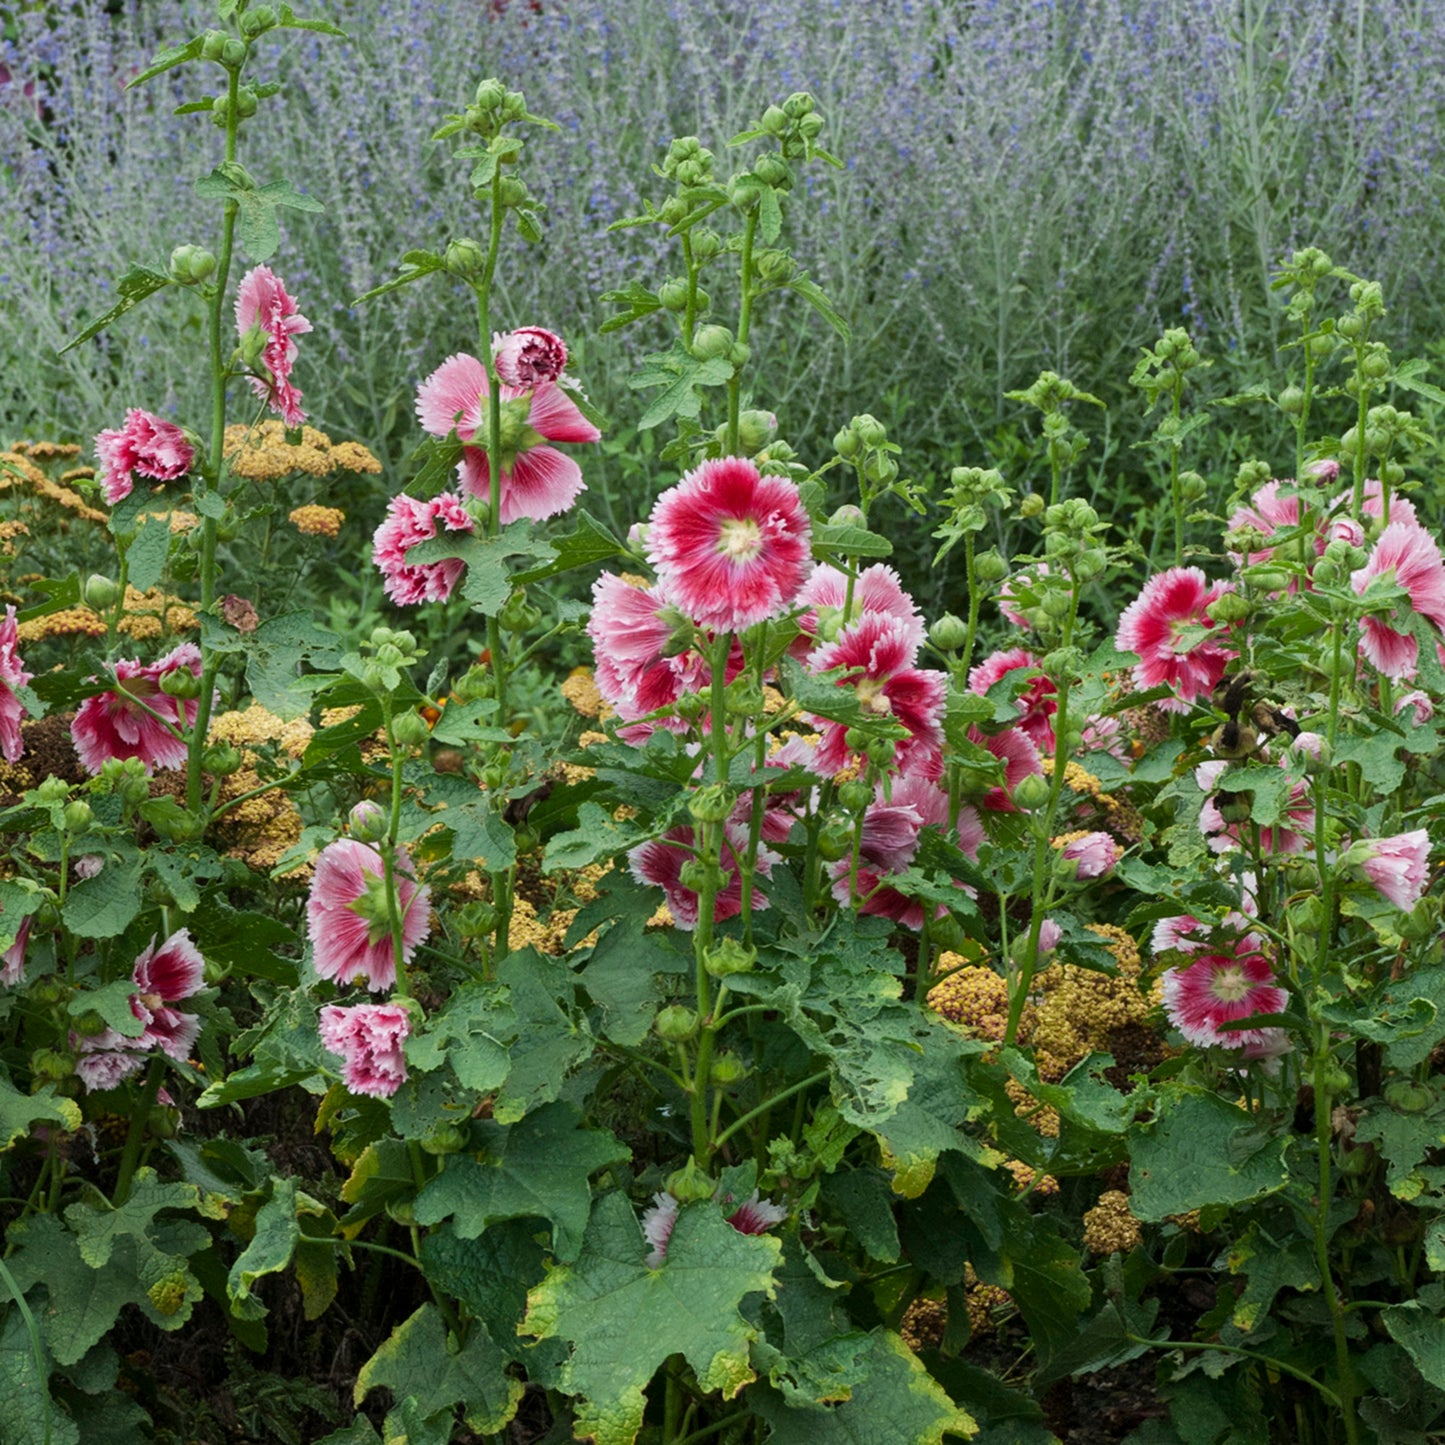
(1304, 271)
(1072, 539)
(190, 265)
(124, 778)
(493, 107)
(391, 651)
(689, 163)
(1386, 430)
(1340, 559)
(864, 444)
(795, 126)
(972, 492)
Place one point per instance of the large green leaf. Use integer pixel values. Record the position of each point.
(886, 1396)
(103, 906)
(19, 1111)
(624, 1319)
(538, 1168)
(550, 1040)
(1423, 1336)
(30, 1417)
(269, 1252)
(417, 1360)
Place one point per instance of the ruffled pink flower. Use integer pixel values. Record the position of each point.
(1020, 758)
(1399, 867)
(408, 522)
(660, 861)
(1409, 554)
(12, 960)
(730, 545)
(1015, 593)
(147, 446)
(1220, 988)
(754, 1216)
(262, 301)
(1156, 626)
(889, 686)
(369, 1038)
(536, 481)
(1268, 513)
(1402, 509)
(12, 676)
(877, 589)
(1095, 855)
(1292, 834)
(892, 829)
(347, 917)
(528, 356)
(106, 1068)
(1036, 705)
(130, 720)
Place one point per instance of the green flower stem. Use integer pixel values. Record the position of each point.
(975, 598)
(1275, 1364)
(210, 478)
(1357, 499)
(748, 865)
(726, 1423)
(1175, 491)
(136, 1134)
(1302, 421)
(745, 318)
(689, 317)
(777, 1098)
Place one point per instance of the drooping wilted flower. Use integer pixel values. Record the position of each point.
(262, 302)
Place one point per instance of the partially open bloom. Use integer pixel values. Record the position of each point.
(162, 975)
(348, 920)
(536, 481)
(1399, 867)
(1015, 593)
(12, 960)
(369, 1038)
(12, 675)
(409, 521)
(262, 302)
(1407, 553)
(1220, 988)
(1091, 855)
(877, 589)
(1290, 833)
(130, 721)
(754, 1216)
(528, 356)
(730, 545)
(1036, 702)
(1176, 640)
(889, 686)
(146, 446)
(660, 863)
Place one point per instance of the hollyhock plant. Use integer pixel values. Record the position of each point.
(1089, 855)
(145, 446)
(1036, 703)
(1409, 555)
(889, 686)
(1176, 641)
(12, 960)
(730, 545)
(408, 522)
(12, 676)
(1020, 758)
(1269, 514)
(263, 305)
(136, 718)
(824, 596)
(1290, 834)
(1011, 599)
(1402, 509)
(1399, 867)
(754, 1215)
(659, 862)
(528, 356)
(369, 1038)
(348, 921)
(537, 481)
(1220, 988)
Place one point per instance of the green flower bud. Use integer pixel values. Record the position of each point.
(90, 1024)
(1229, 607)
(100, 593)
(183, 827)
(755, 430)
(181, 683)
(728, 957)
(711, 342)
(518, 615)
(512, 192)
(258, 21)
(134, 792)
(989, 567)
(847, 444)
(191, 264)
(51, 989)
(402, 1212)
(739, 352)
(880, 752)
(1351, 327)
(713, 803)
(367, 821)
(836, 840)
(1032, 505)
(691, 705)
(1236, 807)
(675, 1024)
(774, 121)
(810, 127)
(690, 1185)
(744, 698)
(774, 171)
(52, 791)
(445, 1137)
(854, 796)
(1324, 574)
(221, 760)
(706, 244)
(220, 111)
(246, 102)
(211, 45)
(78, 816)
(1376, 365)
(673, 294)
(1322, 347)
(1267, 579)
(490, 94)
(233, 53)
(1291, 401)
(948, 633)
(50, 1065)
(848, 515)
(871, 431)
(465, 258)
(410, 730)
(799, 104)
(695, 874)
(855, 740)
(1031, 792)
(744, 194)
(672, 210)
(728, 1069)
(475, 683)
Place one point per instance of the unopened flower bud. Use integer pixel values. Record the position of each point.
(673, 294)
(836, 840)
(78, 815)
(181, 683)
(475, 683)
(1350, 326)
(1031, 792)
(990, 567)
(774, 121)
(367, 821)
(728, 1069)
(1228, 607)
(1032, 505)
(257, 21)
(706, 244)
(410, 730)
(690, 1185)
(246, 102)
(871, 432)
(854, 796)
(211, 44)
(51, 791)
(465, 258)
(846, 443)
(695, 874)
(1408, 1096)
(728, 957)
(675, 1024)
(221, 760)
(948, 633)
(490, 94)
(1236, 807)
(1291, 401)
(810, 127)
(881, 752)
(713, 803)
(711, 342)
(756, 429)
(848, 515)
(233, 53)
(191, 264)
(799, 104)
(100, 593)
(774, 171)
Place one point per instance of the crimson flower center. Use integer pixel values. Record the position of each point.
(740, 539)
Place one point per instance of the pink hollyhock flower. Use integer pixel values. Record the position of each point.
(754, 1216)
(1049, 935)
(1095, 855)
(1103, 734)
(877, 589)
(262, 302)
(369, 1038)
(1399, 867)
(348, 921)
(12, 960)
(409, 521)
(1012, 593)
(659, 863)
(1158, 625)
(890, 686)
(1421, 705)
(146, 446)
(1402, 509)
(528, 356)
(12, 675)
(1292, 834)
(1020, 757)
(1219, 988)
(1408, 554)
(536, 481)
(130, 721)
(1035, 703)
(106, 1068)
(1268, 513)
(730, 545)
(892, 828)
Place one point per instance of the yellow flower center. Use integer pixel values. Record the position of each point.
(740, 539)
(872, 696)
(1230, 984)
